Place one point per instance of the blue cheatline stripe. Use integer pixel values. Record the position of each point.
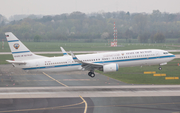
(64, 53)
(74, 58)
(51, 66)
(13, 40)
(20, 52)
(112, 61)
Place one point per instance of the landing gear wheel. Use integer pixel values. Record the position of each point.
(91, 74)
(160, 68)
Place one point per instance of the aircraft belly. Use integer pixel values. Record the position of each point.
(61, 69)
(56, 69)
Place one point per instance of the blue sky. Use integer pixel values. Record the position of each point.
(52, 7)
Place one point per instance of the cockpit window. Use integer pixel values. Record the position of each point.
(165, 52)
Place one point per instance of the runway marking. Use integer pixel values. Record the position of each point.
(159, 75)
(85, 109)
(149, 72)
(49, 108)
(171, 78)
(55, 79)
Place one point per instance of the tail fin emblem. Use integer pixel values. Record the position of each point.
(16, 45)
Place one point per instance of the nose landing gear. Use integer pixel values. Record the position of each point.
(160, 68)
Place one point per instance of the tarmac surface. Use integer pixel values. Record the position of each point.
(94, 105)
(75, 92)
(14, 77)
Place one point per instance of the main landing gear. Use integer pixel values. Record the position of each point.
(91, 74)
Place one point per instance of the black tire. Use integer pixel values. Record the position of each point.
(160, 68)
(92, 75)
(89, 73)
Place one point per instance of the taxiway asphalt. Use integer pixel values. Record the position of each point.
(14, 77)
(94, 105)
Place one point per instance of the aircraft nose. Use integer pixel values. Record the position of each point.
(173, 56)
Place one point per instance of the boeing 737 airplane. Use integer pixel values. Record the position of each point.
(106, 62)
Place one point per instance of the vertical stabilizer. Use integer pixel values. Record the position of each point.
(19, 51)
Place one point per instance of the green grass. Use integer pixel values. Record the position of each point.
(54, 46)
(3, 59)
(135, 75)
(51, 55)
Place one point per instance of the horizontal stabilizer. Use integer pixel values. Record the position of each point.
(16, 62)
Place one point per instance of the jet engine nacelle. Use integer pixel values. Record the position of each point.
(110, 67)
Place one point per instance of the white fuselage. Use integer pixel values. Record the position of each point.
(122, 58)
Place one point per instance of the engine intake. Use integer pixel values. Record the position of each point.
(110, 67)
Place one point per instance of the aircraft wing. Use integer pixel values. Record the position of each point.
(87, 65)
(91, 66)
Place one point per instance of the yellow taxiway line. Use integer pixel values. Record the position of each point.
(172, 78)
(38, 109)
(55, 79)
(149, 72)
(85, 109)
(159, 75)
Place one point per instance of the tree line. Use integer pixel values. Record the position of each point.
(147, 28)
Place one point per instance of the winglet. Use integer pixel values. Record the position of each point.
(74, 57)
(63, 51)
